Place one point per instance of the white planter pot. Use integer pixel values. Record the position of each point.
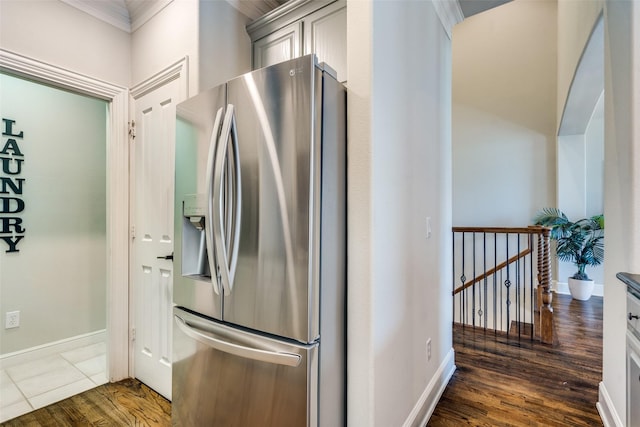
(580, 289)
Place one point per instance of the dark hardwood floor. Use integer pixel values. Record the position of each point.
(500, 382)
(125, 403)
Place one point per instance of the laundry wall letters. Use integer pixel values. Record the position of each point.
(11, 185)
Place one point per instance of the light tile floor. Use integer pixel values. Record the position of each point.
(36, 384)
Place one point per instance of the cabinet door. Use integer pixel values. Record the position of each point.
(278, 46)
(325, 34)
(633, 380)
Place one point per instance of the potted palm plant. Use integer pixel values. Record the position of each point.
(580, 242)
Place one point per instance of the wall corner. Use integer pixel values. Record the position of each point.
(606, 409)
(449, 12)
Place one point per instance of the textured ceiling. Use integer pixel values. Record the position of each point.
(129, 15)
(254, 9)
(473, 7)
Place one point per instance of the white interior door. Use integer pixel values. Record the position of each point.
(152, 222)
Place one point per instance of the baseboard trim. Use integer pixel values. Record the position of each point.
(563, 288)
(23, 356)
(431, 395)
(607, 411)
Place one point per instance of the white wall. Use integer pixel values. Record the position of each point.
(622, 181)
(571, 186)
(58, 34)
(502, 170)
(211, 33)
(57, 280)
(581, 168)
(504, 121)
(399, 173)
(166, 38)
(225, 47)
(580, 186)
(594, 141)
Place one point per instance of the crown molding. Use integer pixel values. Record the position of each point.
(127, 15)
(141, 11)
(111, 12)
(449, 12)
(287, 13)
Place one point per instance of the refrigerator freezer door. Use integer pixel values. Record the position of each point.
(197, 130)
(273, 289)
(226, 377)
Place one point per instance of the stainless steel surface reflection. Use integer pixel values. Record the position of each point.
(261, 226)
(218, 386)
(274, 115)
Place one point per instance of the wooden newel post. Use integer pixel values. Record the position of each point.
(544, 280)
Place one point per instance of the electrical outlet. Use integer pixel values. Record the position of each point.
(12, 319)
(429, 349)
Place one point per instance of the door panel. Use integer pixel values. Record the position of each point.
(221, 388)
(152, 203)
(278, 46)
(272, 289)
(325, 34)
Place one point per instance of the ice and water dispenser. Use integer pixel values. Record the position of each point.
(194, 247)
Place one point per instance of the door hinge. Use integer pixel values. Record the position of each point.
(133, 334)
(132, 130)
(133, 232)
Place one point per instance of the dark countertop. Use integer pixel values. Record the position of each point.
(631, 280)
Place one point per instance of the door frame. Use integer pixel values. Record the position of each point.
(177, 70)
(117, 177)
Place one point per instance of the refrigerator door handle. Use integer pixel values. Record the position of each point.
(237, 200)
(225, 205)
(213, 143)
(273, 357)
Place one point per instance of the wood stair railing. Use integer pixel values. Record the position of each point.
(543, 324)
(493, 270)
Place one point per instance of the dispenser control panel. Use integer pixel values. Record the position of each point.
(194, 255)
(195, 205)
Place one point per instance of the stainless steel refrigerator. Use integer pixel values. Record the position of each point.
(260, 255)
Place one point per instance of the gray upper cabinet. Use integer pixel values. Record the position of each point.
(325, 34)
(300, 27)
(278, 46)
